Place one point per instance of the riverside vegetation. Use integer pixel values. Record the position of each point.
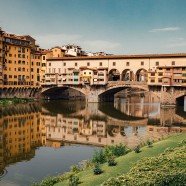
(160, 163)
(15, 100)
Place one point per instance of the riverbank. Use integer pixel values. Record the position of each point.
(124, 163)
(11, 101)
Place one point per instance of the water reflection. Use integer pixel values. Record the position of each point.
(24, 128)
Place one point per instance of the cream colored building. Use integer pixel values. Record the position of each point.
(124, 67)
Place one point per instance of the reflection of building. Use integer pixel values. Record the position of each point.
(20, 134)
(157, 132)
(95, 132)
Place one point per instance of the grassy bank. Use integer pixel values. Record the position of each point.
(126, 162)
(10, 101)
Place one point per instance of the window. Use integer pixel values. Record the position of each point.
(19, 62)
(157, 63)
(173, 62)
(23, 69)
(114, 63)
(19, 55)
(128, 63)
(49, 64)
(59, 70)
(43, 57)
(100, 63)
(10, 55)
(76, 64)
(152, 80)
(23, 62)
(10, 61)
(64, 64)
(88, 64)
(142, 63)
(160, 74)
(37, 70)
(160, 80)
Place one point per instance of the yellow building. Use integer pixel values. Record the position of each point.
(168, 76)
(21, 65)
(1, 57)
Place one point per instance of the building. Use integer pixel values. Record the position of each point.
(20, 66)
(73, 50)
(1, 57)
(98, 70)
(168, 75)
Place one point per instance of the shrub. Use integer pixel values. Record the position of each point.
(111, 161)
(49, 181)
(137, 149)
(75, 168)
(167, 169)
(117, 150)
(99, 157)
(97, 169)
(149, 143)
(73, 180)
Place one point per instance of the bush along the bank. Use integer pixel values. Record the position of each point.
(111, 161)
(149, 143)
(137, 149)
(167, 169)
(15, 100)
(97, 169)
(101, 156)
(73, 180)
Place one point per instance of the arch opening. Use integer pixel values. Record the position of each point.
(141, 75)
(114, 75)
(127, 75)
(66, 93)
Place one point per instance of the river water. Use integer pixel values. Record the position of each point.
(41, 139)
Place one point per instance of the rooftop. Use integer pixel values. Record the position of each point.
(142, 56)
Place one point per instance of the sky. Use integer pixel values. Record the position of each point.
(112, 26)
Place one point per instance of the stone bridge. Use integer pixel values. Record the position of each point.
(96, 94)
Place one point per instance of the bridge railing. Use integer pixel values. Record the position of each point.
(126, 83)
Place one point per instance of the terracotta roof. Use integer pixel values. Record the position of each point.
(142, 56)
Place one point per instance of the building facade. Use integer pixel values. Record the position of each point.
(155, 70)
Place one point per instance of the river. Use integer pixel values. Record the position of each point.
(41, 139)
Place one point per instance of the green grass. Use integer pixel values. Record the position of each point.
(125, 163)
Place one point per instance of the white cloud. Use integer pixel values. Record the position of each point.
(50, 40)
(175, 45)
(101, 45)
(167, 29)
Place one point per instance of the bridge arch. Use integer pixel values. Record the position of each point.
(127, 75)
(141, 75)
(114, 75)
(108, 94)
(180, 98)
(64, 92)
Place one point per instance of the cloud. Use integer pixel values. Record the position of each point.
(101, 45)
(50, 40)
(167, 29)
(176, 45)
